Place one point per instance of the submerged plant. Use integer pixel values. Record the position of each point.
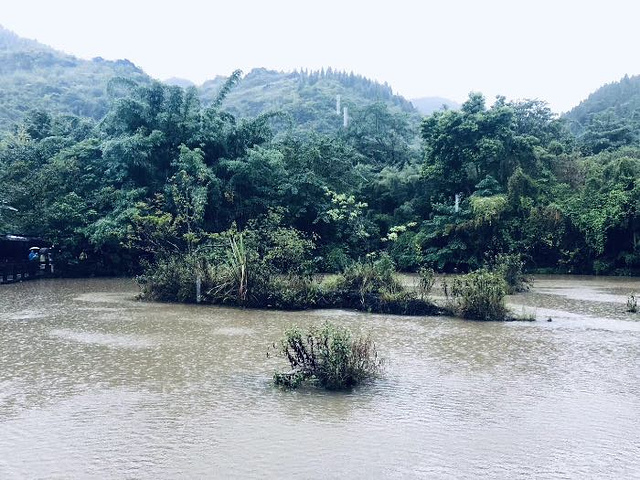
(329, 356)
(632, 303)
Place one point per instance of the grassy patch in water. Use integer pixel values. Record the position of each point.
(329, 356)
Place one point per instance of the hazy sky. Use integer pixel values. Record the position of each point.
(555, 50)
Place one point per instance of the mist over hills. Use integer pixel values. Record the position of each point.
(428, 105)
(309, 98)
(179, 82)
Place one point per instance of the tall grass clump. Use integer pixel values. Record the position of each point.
(329, 356)
(239, 278)
(478, 296)
(369, 278)
(426, 280)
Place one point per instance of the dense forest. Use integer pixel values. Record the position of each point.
(137, 171)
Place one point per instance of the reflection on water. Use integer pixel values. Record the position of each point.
(95, 384)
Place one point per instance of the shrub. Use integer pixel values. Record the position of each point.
(426, 280)
(400, 303)
(371, 277)
(478, 296)
(359, 283)
(336, 260)
(171, 278)
(510, 267)
(293, 292)
(328, 356)
(238, 275)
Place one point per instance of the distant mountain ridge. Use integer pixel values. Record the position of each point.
(179, 82)
(428, 105)
(35, 76)
(621, 98)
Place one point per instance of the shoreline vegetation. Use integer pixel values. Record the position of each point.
(248, 275)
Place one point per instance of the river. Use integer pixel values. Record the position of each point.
(94, 384)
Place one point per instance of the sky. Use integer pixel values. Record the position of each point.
(558, 51)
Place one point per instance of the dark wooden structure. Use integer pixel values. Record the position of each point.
(15, 265)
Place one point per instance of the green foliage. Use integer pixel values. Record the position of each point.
(238, 275)
(293, 292)
(123, 171)
(487, 209)
(371, 277)
(329, 356)
(249, 269)
(467, 145)
(478, 296)
(511, 268)
(426, 280)
(373, 286)
(607, 119)
(171, 278)
(37, 78)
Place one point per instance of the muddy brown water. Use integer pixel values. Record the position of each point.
(94, 384)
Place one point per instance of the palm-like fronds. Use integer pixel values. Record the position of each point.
(231, 82)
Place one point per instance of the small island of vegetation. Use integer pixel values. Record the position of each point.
(329, 356)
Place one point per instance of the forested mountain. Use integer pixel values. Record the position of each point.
(428, 105)
(308, 99)
(609, 117)
(34, 76)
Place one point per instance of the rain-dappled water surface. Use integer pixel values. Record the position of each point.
(96, 384)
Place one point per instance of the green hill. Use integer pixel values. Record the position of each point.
(34, 76)
(610, 117)
(310, 98)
